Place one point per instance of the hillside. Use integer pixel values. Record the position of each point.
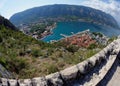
(66, 12)
(26, 57)
(18, 50)
(7, 23)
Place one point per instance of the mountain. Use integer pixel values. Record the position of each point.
(7, 23)
(64, 11)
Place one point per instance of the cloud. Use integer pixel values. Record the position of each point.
(109, 6)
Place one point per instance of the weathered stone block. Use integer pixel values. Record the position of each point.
(115, 52)
(105, 50)
(39, 81)
(13, 82)
(22, 84)
(116, 42)
(117, 47)
(111, 44)
(92, 61)
(109, 48)
(54, 79)
(69, 73)
(102, 55)
(82, 67)
(98, 58)
(25, 82)
(4, 82)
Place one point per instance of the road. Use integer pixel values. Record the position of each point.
(113, 76)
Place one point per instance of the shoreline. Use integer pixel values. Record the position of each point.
(50, 31)
(68, 36)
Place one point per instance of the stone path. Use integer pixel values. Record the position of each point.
(113, 76)
(115, 80)
(102, 72)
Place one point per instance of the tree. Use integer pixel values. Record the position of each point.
(72, 48)
(1, 39)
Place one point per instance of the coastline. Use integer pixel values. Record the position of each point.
(71, 34)
(87, 31)
(50, 31)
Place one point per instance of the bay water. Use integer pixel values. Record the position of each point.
(67, 27)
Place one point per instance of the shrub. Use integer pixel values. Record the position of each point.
(72, 48)
(36, 53)
(3, 61)
(98, 33)
(1, 39)
(92, 46)
(21, 53)
(51, 68)
(112, 38)
(16, 64)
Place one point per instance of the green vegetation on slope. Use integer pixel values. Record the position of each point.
(41, 28)
(15, 47)
(26, 57)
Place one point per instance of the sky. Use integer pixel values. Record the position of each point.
(10, 7)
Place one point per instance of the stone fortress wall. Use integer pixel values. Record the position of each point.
(87, 73)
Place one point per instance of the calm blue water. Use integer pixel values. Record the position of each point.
(68, 27)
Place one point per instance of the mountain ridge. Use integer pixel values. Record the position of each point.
(63, 10)
(7, 23)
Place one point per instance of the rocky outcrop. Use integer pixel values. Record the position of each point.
(88, 73)
(5, 73)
